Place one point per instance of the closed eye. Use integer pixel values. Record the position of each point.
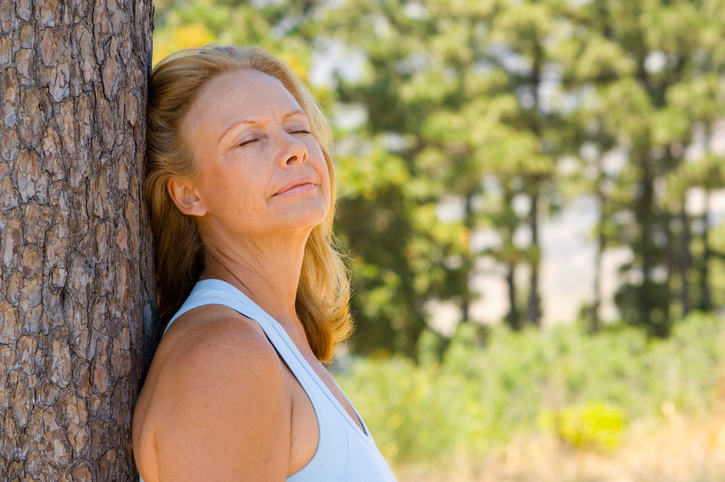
(247, 141)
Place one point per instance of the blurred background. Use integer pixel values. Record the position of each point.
(532, 197)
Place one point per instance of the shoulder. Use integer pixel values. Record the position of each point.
(205, 335)
(213, 343)
(216, 383)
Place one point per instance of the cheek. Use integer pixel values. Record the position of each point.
(318, 161)
(325, 179)
(231, 188)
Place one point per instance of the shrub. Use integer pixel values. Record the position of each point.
(594, 426)
(485, 390)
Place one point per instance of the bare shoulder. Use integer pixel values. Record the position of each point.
(212, 334)
(215, 402)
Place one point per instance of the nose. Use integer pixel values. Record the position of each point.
(293, 150)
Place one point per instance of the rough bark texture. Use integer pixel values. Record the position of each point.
(77, 297)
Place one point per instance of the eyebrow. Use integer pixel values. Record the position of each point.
(286, 116)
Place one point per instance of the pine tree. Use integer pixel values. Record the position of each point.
(77, 295)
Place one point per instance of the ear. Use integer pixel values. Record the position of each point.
(186, 197)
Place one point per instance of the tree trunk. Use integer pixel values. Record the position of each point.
(534, 306)
(644, 247)
(705, 297)
(77, 297)
(533, 310)
(594, 317)
(469, 262)
(685, 259)
(512, 317)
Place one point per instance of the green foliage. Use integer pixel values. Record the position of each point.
(495, 384)
(427, 413)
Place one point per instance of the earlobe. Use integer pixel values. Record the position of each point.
(186, 198)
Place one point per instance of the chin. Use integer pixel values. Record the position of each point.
(306, 218)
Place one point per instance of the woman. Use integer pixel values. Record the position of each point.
(241, 190)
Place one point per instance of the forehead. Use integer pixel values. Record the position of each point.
(240, 95)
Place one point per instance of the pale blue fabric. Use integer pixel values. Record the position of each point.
(344, 452)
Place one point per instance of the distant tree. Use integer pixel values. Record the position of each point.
(527, 37)
(461, 83)
(416, 80)
(647, 76)
(77, 295)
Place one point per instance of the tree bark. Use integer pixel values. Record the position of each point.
(77, 296)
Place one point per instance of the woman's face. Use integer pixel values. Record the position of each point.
(261, 171)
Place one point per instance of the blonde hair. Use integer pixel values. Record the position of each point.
(323, 293)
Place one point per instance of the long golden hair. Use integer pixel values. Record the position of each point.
(323, 293)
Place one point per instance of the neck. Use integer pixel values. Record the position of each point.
(266, 269)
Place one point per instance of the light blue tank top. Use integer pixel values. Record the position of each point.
(344, 452)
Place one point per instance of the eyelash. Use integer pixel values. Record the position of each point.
(249, 141)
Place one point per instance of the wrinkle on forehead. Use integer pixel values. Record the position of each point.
(200, 127)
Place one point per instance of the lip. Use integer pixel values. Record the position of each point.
(297, 186)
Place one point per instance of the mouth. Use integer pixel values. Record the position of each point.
(296, 187)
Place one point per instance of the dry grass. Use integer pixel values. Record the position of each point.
(674, 448)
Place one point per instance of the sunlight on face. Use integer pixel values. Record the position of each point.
(261, 171)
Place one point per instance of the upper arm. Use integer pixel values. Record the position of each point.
(226, 411)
